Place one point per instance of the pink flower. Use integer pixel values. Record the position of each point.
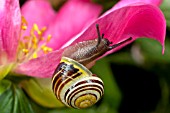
(16, 46)
(9, 34)
(68, 27)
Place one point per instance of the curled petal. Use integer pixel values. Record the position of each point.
(123, 3)
(130, 21)
(43, 66)
(39, 12)
(128, 2)
(70, 20)
(9, 27)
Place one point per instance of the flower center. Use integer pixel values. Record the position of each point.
(33, 45)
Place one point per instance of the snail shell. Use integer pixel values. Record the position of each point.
(75, 85)
(72, 82)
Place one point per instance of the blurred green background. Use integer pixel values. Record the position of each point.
(136, 79)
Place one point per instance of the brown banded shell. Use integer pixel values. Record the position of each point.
(75, 86)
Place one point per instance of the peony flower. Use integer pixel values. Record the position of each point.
(131, 19)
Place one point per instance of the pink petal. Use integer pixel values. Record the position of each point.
(123, 3)
(9, 27)
(43, 66)
(130, 21)
(70, 20)
(39, 12)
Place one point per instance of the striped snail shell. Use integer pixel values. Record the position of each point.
(75, 85)
(72, 82)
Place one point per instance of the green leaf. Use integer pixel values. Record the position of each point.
(4, 85)
(23, 103)
(152, 51)
(6, 100)
(14, 100)
(165, 7)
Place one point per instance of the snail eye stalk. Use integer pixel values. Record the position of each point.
(120, 43)
(99, 36)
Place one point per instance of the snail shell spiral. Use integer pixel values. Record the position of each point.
(75, 86)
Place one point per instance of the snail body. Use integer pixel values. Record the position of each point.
(72, 82)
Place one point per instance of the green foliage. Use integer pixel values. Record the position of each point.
(165, 7)
(13, 100)
(4, 85)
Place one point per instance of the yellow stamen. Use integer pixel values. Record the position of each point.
(34, 55)
(34, 44)
(24, 27)
(49, 38)
(35, 26)
(46, 49)
(43, 29)
(25, 51)
(24, 21)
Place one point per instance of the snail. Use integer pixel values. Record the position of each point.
(72, 82)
